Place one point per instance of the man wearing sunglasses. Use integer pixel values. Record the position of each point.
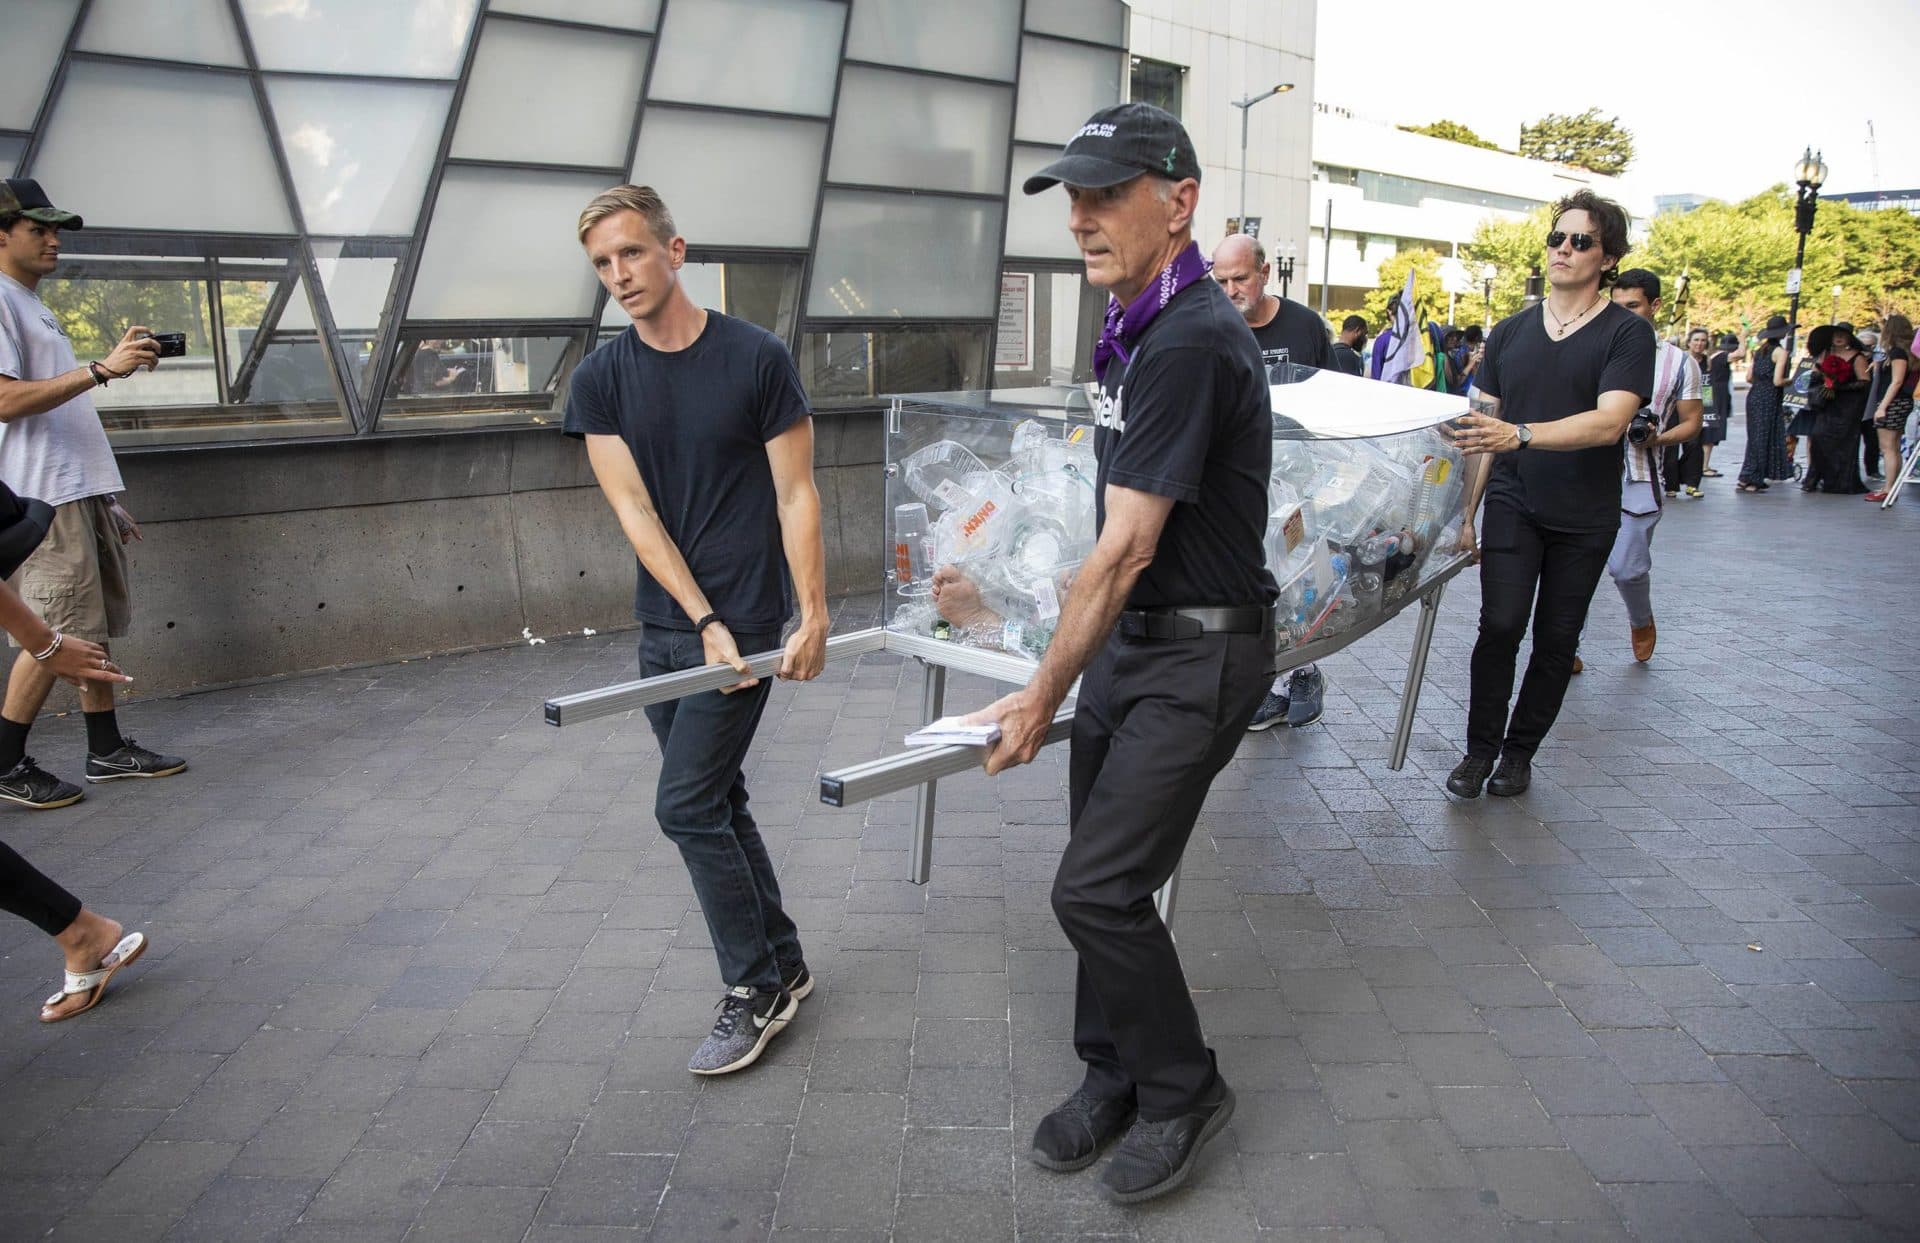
(1557, 388)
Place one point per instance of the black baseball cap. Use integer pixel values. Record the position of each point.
(20, 196)
(1118, 144)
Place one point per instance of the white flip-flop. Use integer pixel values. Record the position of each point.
(93, 984)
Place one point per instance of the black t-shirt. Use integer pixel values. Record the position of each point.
(1720, 376)
(1191, 418)
(1294, 334)
(1540, 380)
(698, 421)
(1345, 358)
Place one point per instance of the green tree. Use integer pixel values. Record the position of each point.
(1514, 248)
(1589, 140)
(1429, 301)
(1452, 131)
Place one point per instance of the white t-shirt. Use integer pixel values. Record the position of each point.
(62, 455)
(1676, 378)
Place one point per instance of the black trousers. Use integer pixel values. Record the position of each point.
(1156, 721)
(1526, 569)
(1870, 447)
(28, 892)
(1681, 465)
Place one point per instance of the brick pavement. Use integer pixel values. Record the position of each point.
(423, 969)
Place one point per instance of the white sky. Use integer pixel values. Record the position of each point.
(1721, 98)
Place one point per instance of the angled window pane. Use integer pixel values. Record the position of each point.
(1049, 320)
(356, 292)
(773, 55)
(202, 164)
(466, 272)
(251, 370)
(200, 31)
(1061, 85)
(858, 271)
(476, 378)
(695, 159)
(518, 108)
(30, 43)
(10, 149)
(1037, 223)
(855, 367)
(761, 291)
(979, 39)
(920, 133)
(360, 151)
(1097, 21)
(625, 14)
(374, 37)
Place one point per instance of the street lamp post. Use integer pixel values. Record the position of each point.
(1487, 273)
(1285, 268)
(1536, 286)
(1245, 106)
(1808, 175)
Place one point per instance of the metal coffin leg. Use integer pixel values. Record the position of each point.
(933, 700)
(1416, 674)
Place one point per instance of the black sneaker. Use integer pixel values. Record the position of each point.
(748, 1021)
(1156, 1157)
(132, 760)
(1071, 1137)
(797, 980)
(1468, 776)
(1513, 776)
(30, 785)
(1306, 689)
(1271, 712)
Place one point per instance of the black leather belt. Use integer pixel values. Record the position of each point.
(1192, 623)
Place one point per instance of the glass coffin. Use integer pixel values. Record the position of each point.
(990, 507)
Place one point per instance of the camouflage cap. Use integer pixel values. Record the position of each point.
(24, 197)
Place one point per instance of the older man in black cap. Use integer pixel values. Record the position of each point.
(1171, 619)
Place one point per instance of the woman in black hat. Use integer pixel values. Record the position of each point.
(1720, 383)
(1766, 445)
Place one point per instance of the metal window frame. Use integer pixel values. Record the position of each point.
(362, 404)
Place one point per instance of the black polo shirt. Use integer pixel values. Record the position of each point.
(1190, 418)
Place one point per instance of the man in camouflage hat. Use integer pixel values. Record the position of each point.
(53, 447)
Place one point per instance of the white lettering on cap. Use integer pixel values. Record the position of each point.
(1094, 130)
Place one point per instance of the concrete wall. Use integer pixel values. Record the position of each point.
(273, 559)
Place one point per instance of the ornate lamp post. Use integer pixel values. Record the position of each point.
(1285, 268)
(1808, 176)
(1487, 274)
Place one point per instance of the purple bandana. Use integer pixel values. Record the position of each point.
(1125, 324)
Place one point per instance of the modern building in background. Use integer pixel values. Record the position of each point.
(1879, 200)
(1196, 59)
(361, 214)
(1390, 190)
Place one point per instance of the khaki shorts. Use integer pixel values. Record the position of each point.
(77, 579)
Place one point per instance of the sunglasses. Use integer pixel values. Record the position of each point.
(1582, 242)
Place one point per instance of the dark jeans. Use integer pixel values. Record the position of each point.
(1517, 559)
(33, 896)
(1156, 720)
(701, 804)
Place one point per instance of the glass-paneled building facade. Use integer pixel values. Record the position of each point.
(361, 212)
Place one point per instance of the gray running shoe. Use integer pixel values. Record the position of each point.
(1306, 690)
(748, 1021)
(1272, 712)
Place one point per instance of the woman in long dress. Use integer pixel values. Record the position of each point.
(1833, 452)
(1766, 456)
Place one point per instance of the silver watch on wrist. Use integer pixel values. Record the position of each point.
(1525, 434)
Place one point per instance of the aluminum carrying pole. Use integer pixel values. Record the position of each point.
(626, 696)
(846, 786)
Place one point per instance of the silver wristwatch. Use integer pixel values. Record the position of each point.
(1525, 434)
